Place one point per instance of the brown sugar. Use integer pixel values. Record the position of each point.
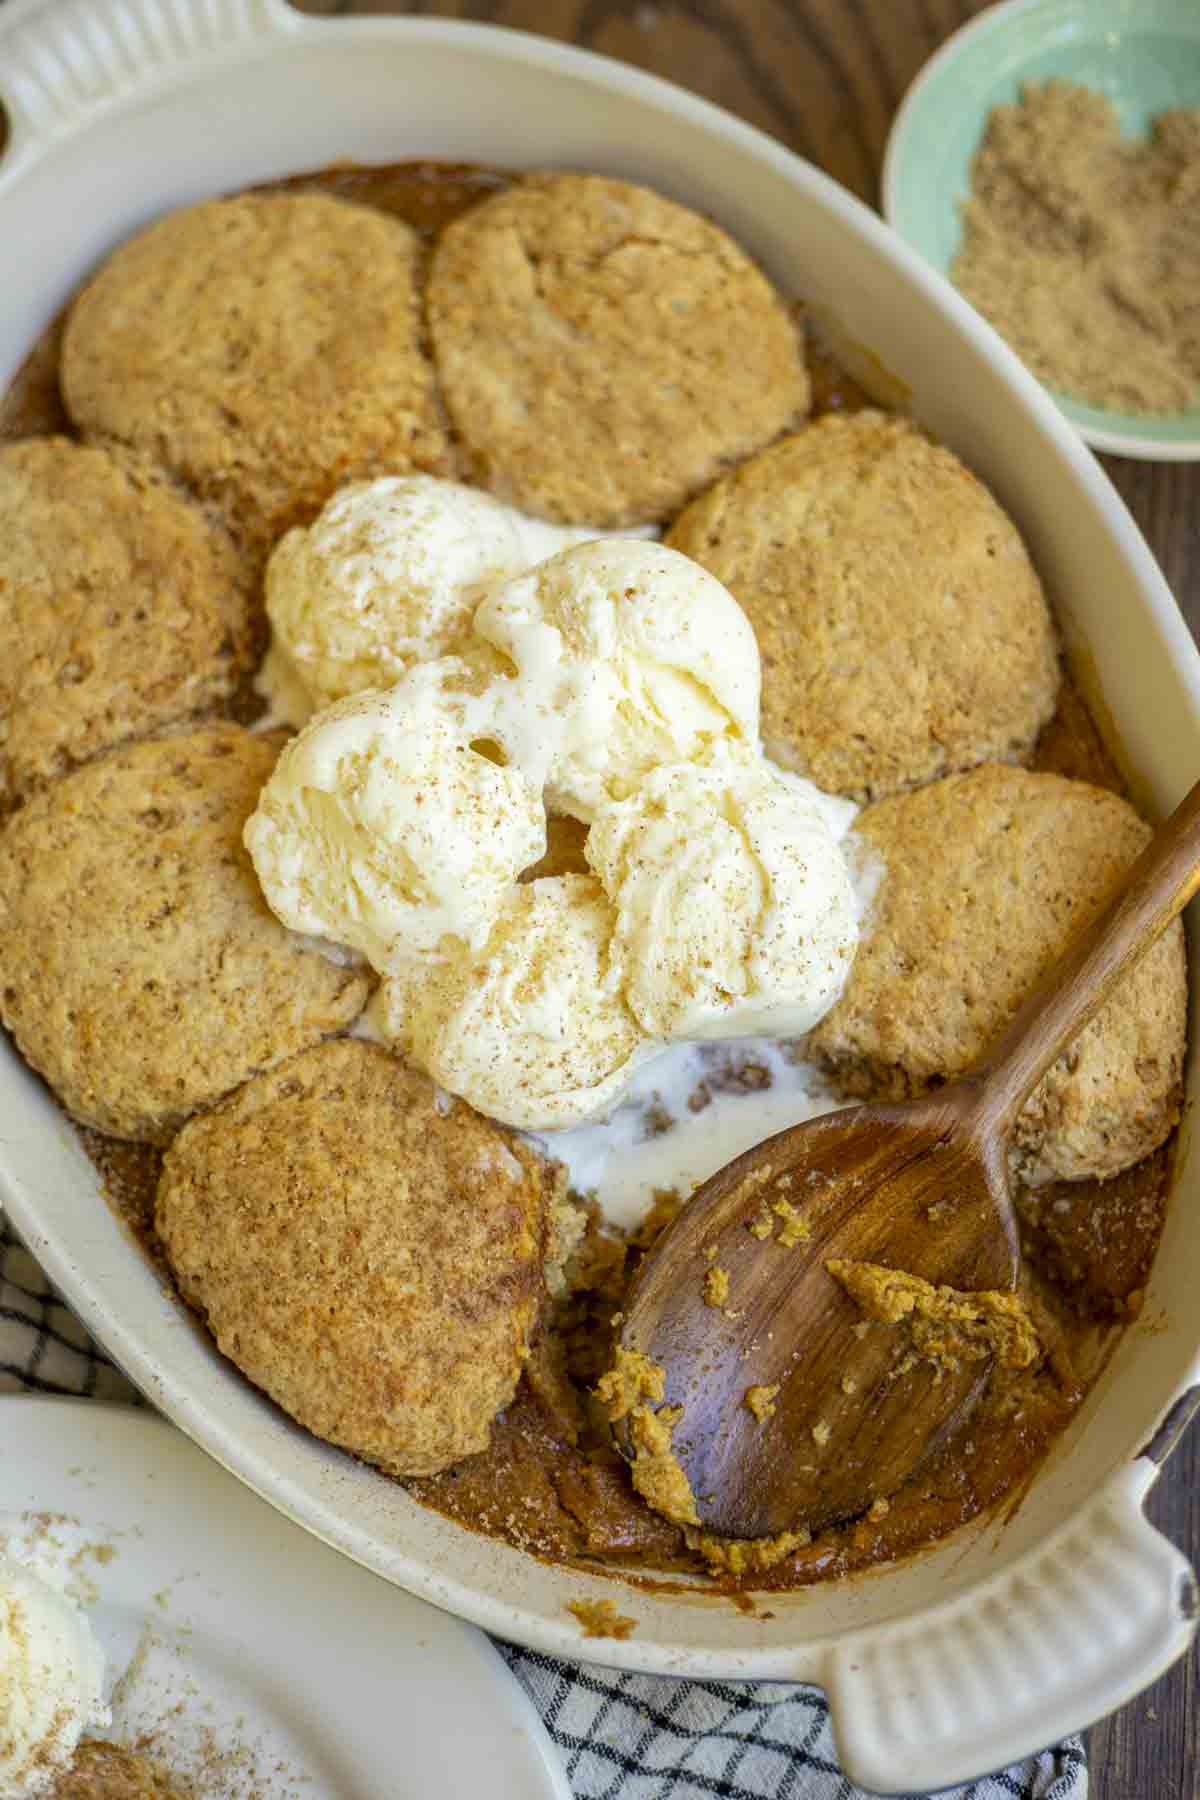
(1083, 248)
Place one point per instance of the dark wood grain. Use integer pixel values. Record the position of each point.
(853, 1413)
(825, 76)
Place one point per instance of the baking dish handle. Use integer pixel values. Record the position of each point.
(64, 61)
(1037, 1654)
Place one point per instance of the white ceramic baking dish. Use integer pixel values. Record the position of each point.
(1012, 1634)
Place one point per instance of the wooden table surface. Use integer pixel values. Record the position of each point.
(825, 77)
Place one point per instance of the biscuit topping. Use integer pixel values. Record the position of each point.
(603, 351)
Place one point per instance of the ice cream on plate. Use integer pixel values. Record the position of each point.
(51, 1669)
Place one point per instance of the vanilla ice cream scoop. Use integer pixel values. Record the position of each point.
(51, 1670)
(735, 913)
(527, 1032)
(392, 822)
(639, 656)
(388, 574)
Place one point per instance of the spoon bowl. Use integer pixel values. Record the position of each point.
(917, 1187)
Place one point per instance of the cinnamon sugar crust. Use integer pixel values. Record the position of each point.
(370, 1254)
(266, 349)
(141, 971)
(903, 631)
(603, 351)
(123, 608)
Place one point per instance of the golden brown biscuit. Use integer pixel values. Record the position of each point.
(266, 349)
(368, 1253)
(902, 628)
(988, 876)
(604, 352)
(102, 1771)
(122, 609)
(140, 969)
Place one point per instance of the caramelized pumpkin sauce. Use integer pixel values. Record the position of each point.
(551, 1483)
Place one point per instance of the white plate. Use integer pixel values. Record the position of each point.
(250, 1653)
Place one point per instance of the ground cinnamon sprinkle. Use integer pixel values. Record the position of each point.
(1083, 247)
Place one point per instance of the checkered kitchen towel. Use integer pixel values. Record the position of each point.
(622, 1737)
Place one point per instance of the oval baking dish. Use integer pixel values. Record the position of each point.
(1009, 1634)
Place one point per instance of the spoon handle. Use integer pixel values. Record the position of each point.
(1157, 888)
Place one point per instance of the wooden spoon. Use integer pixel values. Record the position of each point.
(921, 1187)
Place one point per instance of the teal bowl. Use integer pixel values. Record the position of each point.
(1143, 54)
